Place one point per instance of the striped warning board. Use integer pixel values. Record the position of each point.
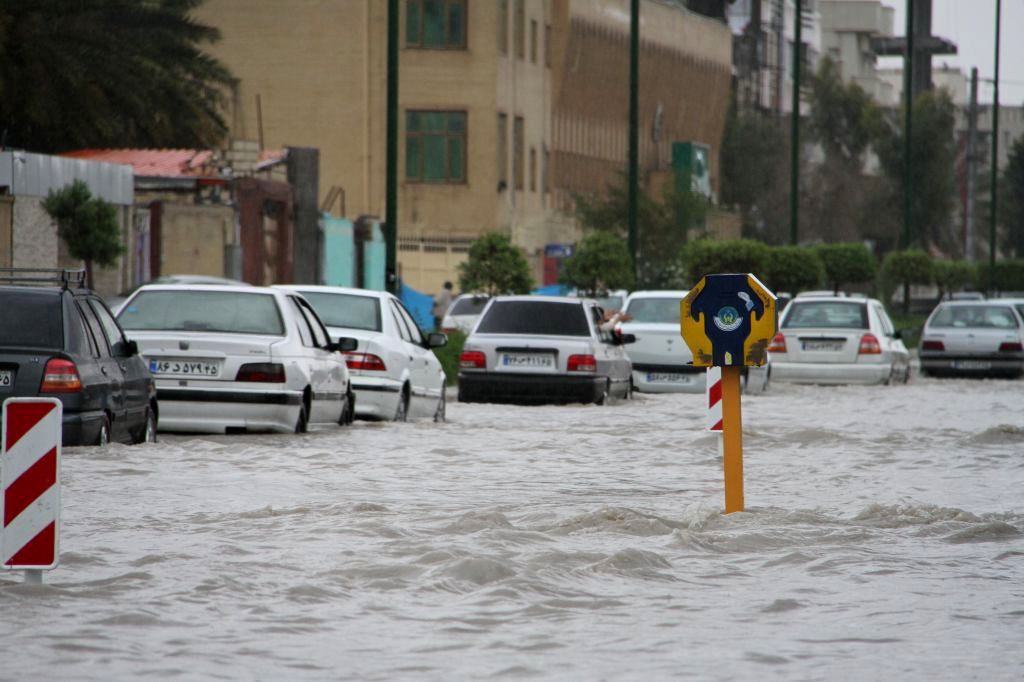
(714, 393)
(30, 483)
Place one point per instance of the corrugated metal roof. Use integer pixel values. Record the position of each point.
(28, 174)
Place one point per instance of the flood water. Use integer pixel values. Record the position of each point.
(882, 540)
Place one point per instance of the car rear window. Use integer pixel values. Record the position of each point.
(202, 311)
(473, 305)
(974, 316)
(654, 310)
(346, 310)
(534, 318)
(826, 315)
(31, 319)
(613, 302)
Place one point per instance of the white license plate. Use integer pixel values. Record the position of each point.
(528, 360)
(669, 378)
(971, 364)
(6, 378)
(184, 368)
(827, 346)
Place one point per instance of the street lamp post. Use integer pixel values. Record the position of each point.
(995, 163)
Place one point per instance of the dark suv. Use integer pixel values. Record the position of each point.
(58, 339)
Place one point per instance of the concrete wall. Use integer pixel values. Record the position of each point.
(193, 238)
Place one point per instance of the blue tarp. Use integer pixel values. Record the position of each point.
(419, 305)
(553, 290)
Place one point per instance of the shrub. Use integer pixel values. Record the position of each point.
(495, 266)
(1008, 276)
(953, 276)
(850, 263)
(449, 355)
(600, 264)
(707, 257)
(912, 266)
(794, 269)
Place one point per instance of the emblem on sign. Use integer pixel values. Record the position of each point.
(727, 319)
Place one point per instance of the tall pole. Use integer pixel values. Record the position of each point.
(391, 191)
(634, 77)
(972, 165)
(908, 100)
(995, 163)
(794, 151)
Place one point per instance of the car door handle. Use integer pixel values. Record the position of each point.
(103, 370)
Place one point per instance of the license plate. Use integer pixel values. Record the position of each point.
(971, 364)
(181, 368)
(827, 346)
(528, 360)
(6, 378)
(669, 378)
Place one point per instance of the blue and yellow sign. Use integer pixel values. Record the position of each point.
(728, 321)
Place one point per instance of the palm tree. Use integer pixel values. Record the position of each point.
(100, 73)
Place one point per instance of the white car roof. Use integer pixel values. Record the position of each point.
(662, 293)
(229, 288)
(321, 288)
(542, 299)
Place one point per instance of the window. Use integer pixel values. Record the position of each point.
(435, 146)
(519, 29)
(545, 171)
(99, 344)
(436, 24)
(534, 318)
(202, 311)
(115, 339)
(533, 41)
(345, 310)
(403, 330)
(826, 314)
(31, 320)
(414, 329)
(320, 336)
(533, 169)
(503, 27)
(502, 151)
(518, 150)
(547, 45)
(659, 310)
(302, 323)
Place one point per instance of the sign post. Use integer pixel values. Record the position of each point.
(728, 322)
(30, 485)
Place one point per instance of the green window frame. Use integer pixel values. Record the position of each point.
(435, 146)
(435, 24)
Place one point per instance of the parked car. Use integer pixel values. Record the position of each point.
(395, 375)
(59, 340)
(974, 338)
(115, 302)
(828, 339)
(238, 358)
(543, 349)
(661, 359)
(463, 313)
(613, 300)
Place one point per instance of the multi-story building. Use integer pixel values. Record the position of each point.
(506, 106)
(849, 29)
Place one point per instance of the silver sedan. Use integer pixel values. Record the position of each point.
(974, 338)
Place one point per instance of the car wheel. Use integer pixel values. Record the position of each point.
(402, 413)
(302, 423)
(603, 398)
(103, 438)
(439, 415)
(149, 431)
(906, 374)
(348, 415)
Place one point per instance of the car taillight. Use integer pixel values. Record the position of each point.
(582, 363)
(264, 372)
(60, 376)
(932, 345)
(472, 359)
(869, 345)
(1010, 347)
(778, 344)
(365, 361)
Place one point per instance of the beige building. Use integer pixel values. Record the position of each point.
(506, 106)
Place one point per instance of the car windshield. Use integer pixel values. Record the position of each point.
(654, 310)
(346, 310)
(471, 305)
(974, 316)
(203, 311)
(826, 315)
(535, 318)
(31, 320)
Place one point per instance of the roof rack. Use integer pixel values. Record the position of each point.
(65, 277)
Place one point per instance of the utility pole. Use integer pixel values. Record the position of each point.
(972, 166)
(391, 154)
(908, 98)
(634, 77)
(794, 152)
(995, 163)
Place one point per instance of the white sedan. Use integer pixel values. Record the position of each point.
(238, 358)
(395, 374)
(662, 362)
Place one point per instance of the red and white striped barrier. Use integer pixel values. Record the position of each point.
(714, 394)
(30, 483)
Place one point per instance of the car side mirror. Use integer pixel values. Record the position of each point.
(437, 340)
(626, 338)
(343, 345)
(131, 348)
(898, 334)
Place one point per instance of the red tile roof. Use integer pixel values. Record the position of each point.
(167, 163)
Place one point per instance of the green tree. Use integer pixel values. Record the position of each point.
(843, 119)
(933, 188)
(494, 267)
(102, 73)
(663, 227)
(1007, 277)
(953, 275)
(793, 269)
(849, 263)
(601, 263)
(1011, 202)
(88, 225)
(912, 266)
(708, 257)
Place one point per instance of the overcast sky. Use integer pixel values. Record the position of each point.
(971, 25)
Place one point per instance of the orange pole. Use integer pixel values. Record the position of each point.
(732, 439)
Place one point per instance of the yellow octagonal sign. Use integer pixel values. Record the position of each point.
(728, 321)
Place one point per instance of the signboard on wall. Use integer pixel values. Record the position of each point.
(691, 165)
